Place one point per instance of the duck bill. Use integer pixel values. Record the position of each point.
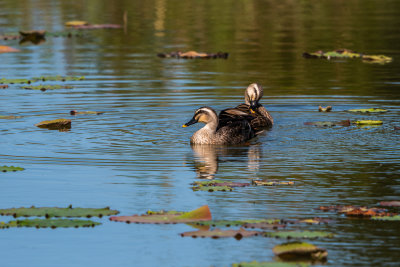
(192, 121)
(253, 106)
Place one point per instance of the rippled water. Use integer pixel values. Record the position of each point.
(136, 156)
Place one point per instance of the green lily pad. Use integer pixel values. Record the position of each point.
(299, 234)
(52, 223)
(49, 212)
(12, 81)
(386, 218)
(201, 214)
(58, 78)
(300, 250)
(59, 124)
(217, 233)
(47, 87)
(369, 110)
(270, 264)
(216, 185)
(271, 182)
(10, 168)
(346, 53)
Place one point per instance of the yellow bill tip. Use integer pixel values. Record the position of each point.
(252, 111)
(184, 125)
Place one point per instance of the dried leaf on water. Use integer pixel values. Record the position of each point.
(201, 214)
(329, 123)
(73, 23)
(79, 24)
(217, 233)
(49, 223)
(300, 250)
(327, 109)
(193, 54)
(346, 53)
(8, 49)
(4, 86)
(369, 110)
(357, 211)
(58, 124)
(74, 112)
(9, 117)
(49, 212)
(270, 182)
(10, 169)
(300, 234)
(270, 264)
(395, 203)
(47, 87)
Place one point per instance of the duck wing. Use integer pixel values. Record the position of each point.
(238, 113)
(235, 132)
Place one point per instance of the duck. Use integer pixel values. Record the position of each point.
(235, 131)
(252, 110)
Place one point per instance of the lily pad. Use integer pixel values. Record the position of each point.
(12, 81)
(10, 168)
(271, 182)
(250, 223)
(300, 250)
(49, 212)
(367, 122)
(7, 49)
(315, 220)
(58, 78)
(76, 23)
(368, 110)
(357, 211)
(74, 112)
(9, 117)
(390, 203)
(299, 234)
(327, 109)
(346, 53)
(270, 264)
(52, 223)
(193, 54)
(386, 218)
(47, 87)
(59, 124)
(329, 123)
(217, 233)
(201, 214)
(381, 59)
(4, 86)
(216, 185)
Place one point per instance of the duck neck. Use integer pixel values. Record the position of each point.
(206, 134)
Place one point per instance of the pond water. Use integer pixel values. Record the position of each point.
(136, 156)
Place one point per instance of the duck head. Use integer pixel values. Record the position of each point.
(252, 95)
(204, 114)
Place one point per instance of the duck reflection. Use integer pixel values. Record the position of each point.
(207, 158)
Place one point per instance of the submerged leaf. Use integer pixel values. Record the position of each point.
(368, 110)
(59, 124)
(216, 185)
(97, 26)
(249, 223)
(52, 223)
(201, 214)
(299, 250)
(271, 182)
(10, 169)
(193, 54)
(299, 234)
(390, 203)
(329, 123)
(74, 112)
(49, 212)
(217, 233)
(47, 87)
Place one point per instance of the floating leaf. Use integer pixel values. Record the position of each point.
(193, 54)
(75, 23)
(52, 223)
(368, 110)
(357, 211)
(10, 168)
(329, 123)
(201, 214)
(327, 109)
(367, 122)
(35, 37)
(49, 212)
(217, 233)
(10, 117)
(270, 264)
(74, 112)
(58, 78)
(386, 218)
(299, 234)
(3, 86)
(390, 203)
(346, 53)
(7, 49)
(216, 185)
(47, 87)
(12, 81)
(59, 124)
(299, 250)
(271, 182)
(249, 223)
(315, 220)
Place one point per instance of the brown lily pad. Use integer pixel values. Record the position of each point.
(300, 250)
(4, 86)
(217, 233)
(193, 54)
(59, 124)
(201, 214)
(357, 211)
